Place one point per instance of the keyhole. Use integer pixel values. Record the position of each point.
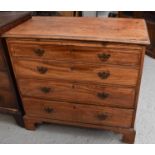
(72, 68)
(73, 86)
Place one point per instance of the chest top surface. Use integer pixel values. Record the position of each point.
(83, 28)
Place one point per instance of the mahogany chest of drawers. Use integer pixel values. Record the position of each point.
(79, 71)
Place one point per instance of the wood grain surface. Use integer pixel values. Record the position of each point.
(83, 28)
(81, 54)
(60, 90)
(76, 72)
(78, 112)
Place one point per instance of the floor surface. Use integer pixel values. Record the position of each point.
(51, 134)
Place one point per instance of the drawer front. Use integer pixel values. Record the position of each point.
(78, 113)
(75, 53)
(76, 72)
(7, 99)
(78, 93)
(5, 81)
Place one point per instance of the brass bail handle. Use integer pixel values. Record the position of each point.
(102, 116)
(48, 110)
(104, 56)
(45, 89)
(104, 74)
(103, 95)
(39, 52)
(42, 70)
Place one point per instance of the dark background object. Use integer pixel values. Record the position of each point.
(57, 13)
(149, 16)
(9, 98)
